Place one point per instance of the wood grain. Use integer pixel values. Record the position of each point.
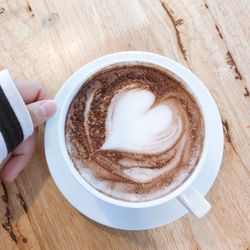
(48, 40)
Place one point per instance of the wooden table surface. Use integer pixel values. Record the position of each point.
(48, 40)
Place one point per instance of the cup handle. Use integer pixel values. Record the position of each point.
(194, 202)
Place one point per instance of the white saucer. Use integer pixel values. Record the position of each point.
(125, 218)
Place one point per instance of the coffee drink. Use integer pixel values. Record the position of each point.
(134, 132)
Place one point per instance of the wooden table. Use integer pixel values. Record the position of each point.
(48, 40)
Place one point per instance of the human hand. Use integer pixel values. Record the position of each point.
(41, 109)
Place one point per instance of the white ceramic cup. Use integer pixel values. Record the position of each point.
(186, 193)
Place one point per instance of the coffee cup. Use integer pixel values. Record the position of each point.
(185, 193)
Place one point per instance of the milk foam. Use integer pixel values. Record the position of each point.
(120, 190)
(133, 124)
(147, 174)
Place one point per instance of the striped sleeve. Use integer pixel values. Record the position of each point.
(15, 121)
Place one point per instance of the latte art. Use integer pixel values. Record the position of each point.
(134, 132)
(134, 125)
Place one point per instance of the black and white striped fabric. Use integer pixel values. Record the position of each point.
(15, 121)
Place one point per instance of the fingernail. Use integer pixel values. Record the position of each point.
(48, 108)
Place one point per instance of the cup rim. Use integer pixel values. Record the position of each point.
(187, 77)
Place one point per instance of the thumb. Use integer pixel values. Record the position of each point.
(41, 111)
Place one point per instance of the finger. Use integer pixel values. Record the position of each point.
(10, 154)
(41, 111)
(20, 158)
(31, 91)
(5, 160)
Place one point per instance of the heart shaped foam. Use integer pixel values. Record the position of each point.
(135, 124)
